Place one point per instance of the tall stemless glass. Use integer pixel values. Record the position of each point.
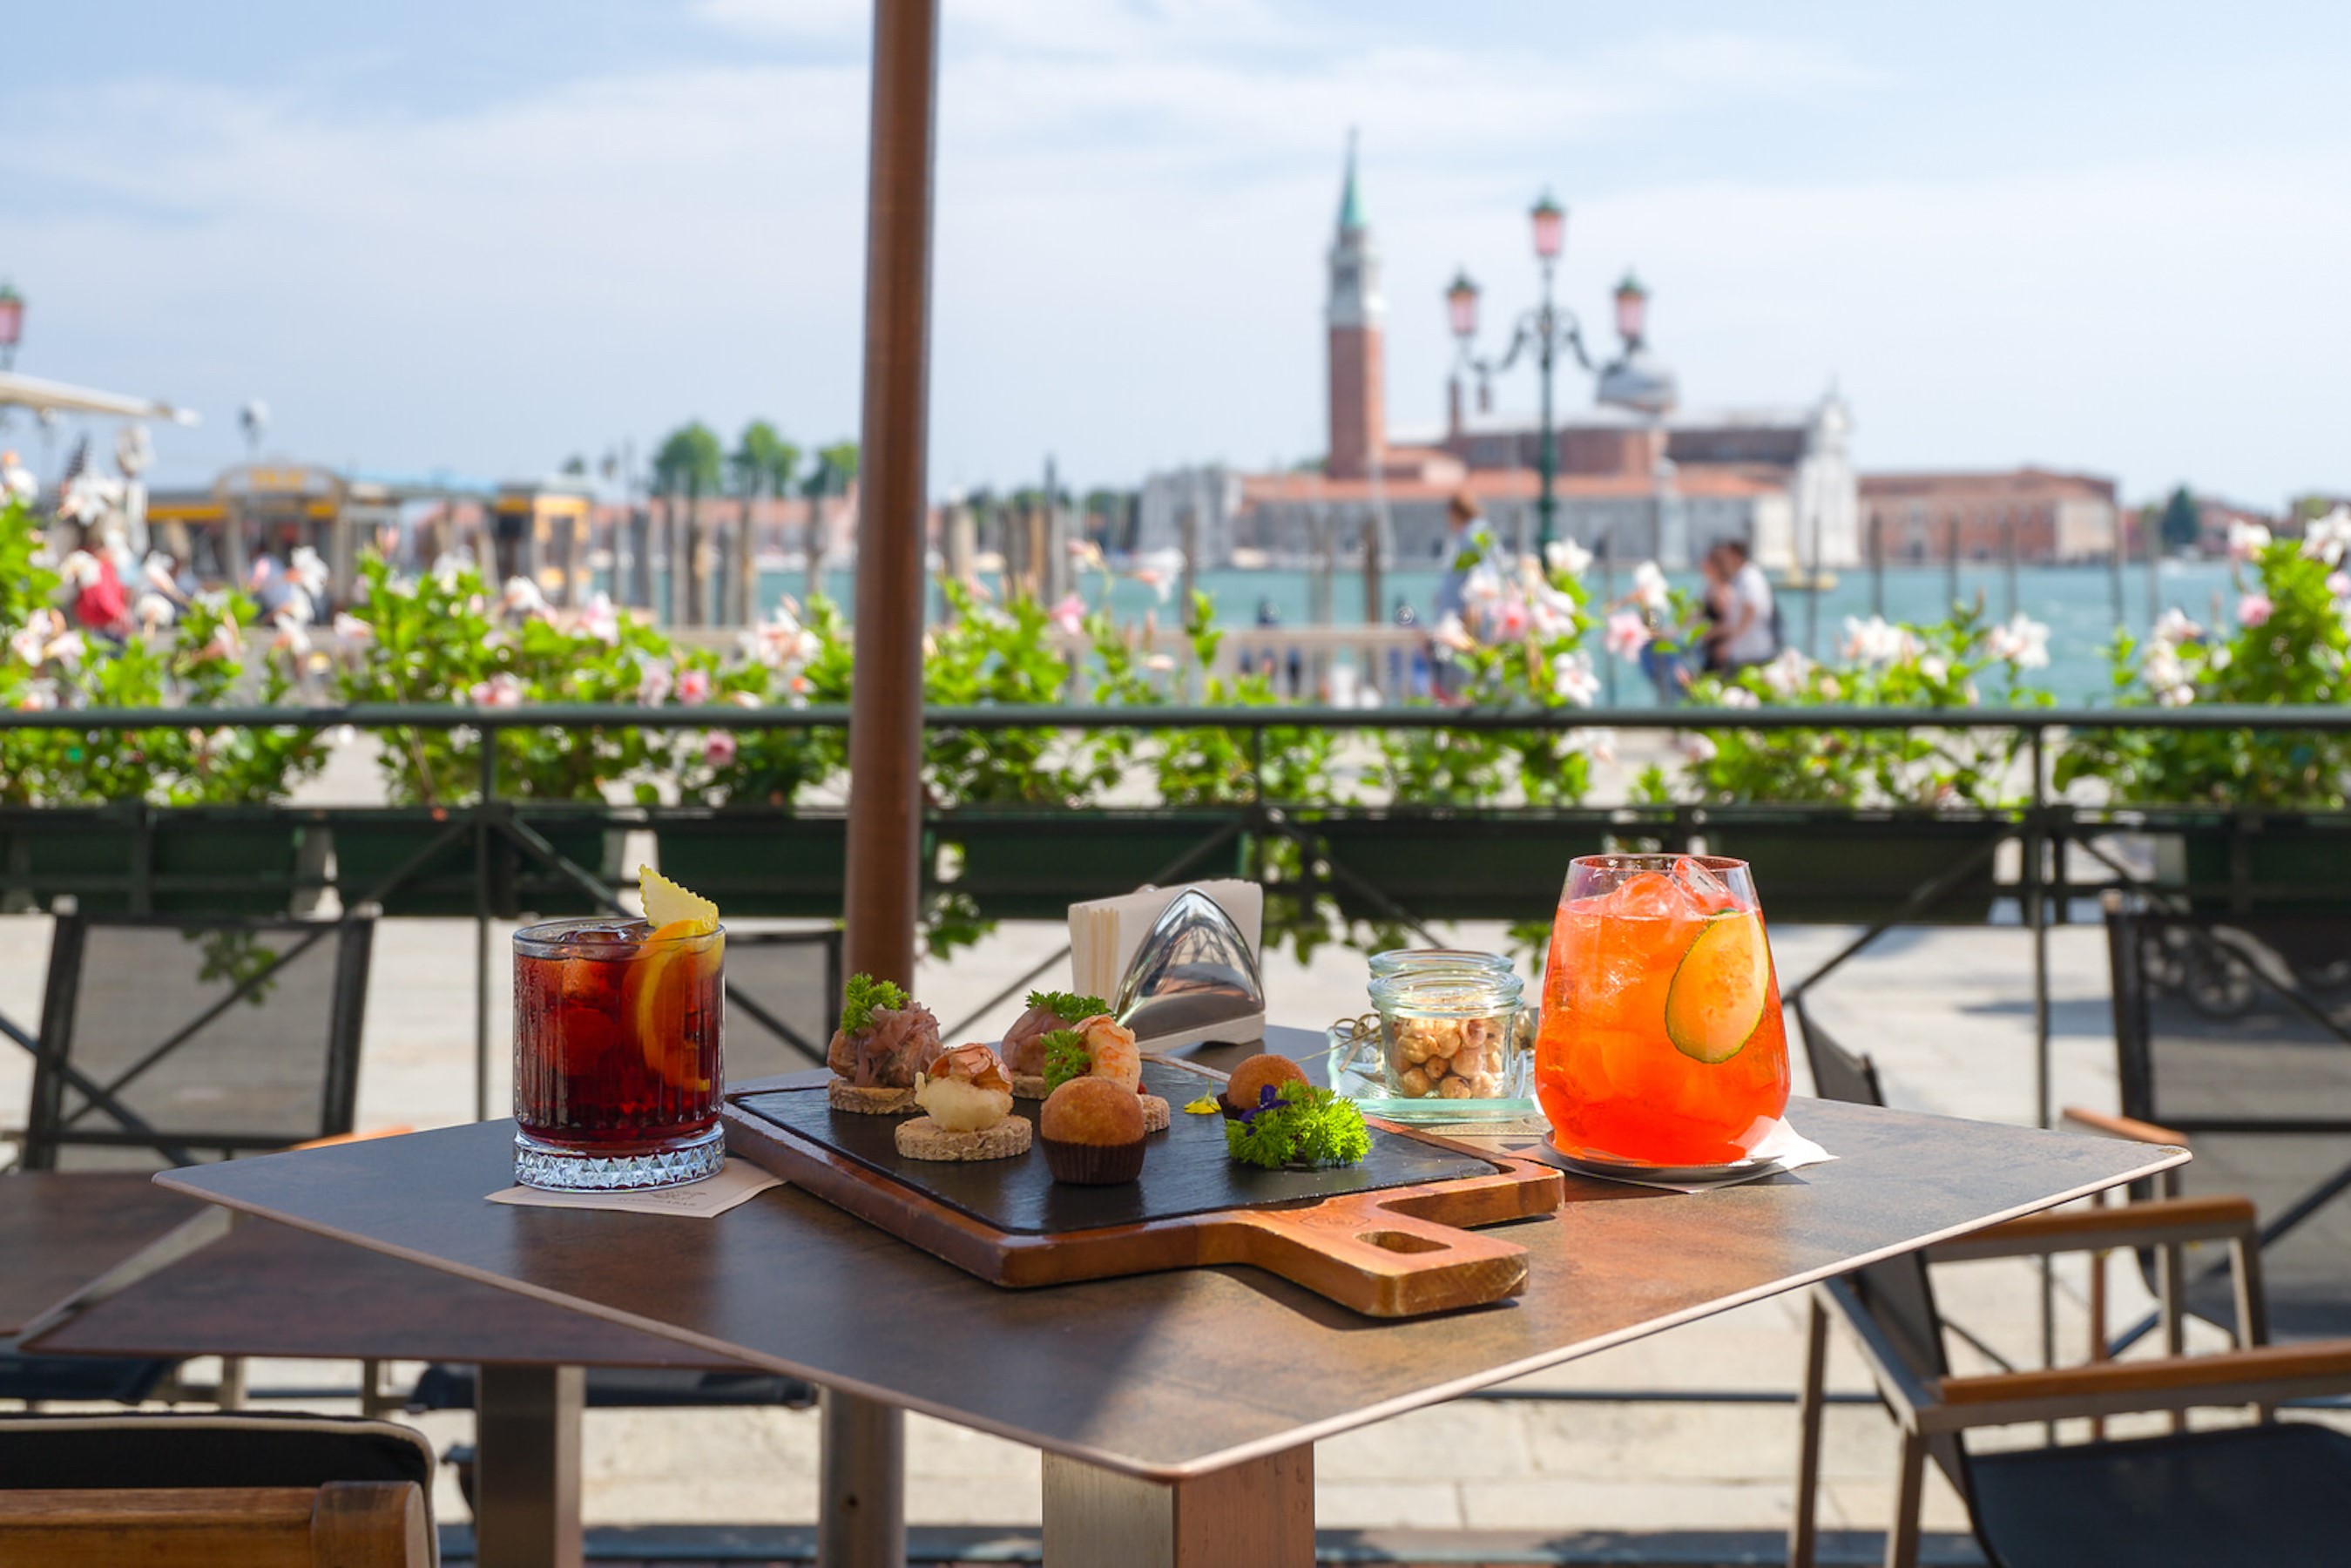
(617, 1059)
(1661, 1042)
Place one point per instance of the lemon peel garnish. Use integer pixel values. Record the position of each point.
(667, 904)
(1205, 1105)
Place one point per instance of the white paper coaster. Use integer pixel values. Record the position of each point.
(737, 1182)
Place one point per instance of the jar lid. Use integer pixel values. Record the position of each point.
(1408, 960)
(1448, 993)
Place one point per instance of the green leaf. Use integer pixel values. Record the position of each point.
(862, 996)
(1067, 1006)
(1066, 1057)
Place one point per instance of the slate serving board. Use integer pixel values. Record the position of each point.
(1186, 1170)
(1382, 1236)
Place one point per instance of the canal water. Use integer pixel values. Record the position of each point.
(2080, 604)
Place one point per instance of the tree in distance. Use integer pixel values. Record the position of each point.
(689, 465)
(2183, 521)
(836, 466)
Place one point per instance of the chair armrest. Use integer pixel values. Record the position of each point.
(2158, 1222)
(2265, 1375)
(2084, 1120)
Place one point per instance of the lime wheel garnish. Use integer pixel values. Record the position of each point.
(1717, 997)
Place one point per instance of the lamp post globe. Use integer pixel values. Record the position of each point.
(1632, 308)
(1550, 220)
(1461, 306)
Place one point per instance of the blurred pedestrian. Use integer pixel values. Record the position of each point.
(1461, 554)
(1747, 631)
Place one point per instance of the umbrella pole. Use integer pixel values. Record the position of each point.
(862, 1522)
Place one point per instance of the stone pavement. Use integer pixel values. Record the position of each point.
(1947, 1013)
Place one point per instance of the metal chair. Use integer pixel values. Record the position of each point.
(2264, 1493)
(2233, 1037)
(214, 1489)
(167, 1040)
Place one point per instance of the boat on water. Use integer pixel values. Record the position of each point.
(1796, 579)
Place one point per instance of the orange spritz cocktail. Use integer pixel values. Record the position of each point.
(1661, 1039)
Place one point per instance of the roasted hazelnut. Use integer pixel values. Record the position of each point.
(1413, 1084)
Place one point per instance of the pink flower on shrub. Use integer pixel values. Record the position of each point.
(655, 682)
(718, 747)
(2339, 583)
(1627, 634)
(693, 686)
(1070, 615)
(600, 619)
(501, 690)
(2253, 610)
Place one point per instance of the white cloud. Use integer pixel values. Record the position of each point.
(1133, 206)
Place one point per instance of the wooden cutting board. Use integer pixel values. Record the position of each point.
(1389, 1238)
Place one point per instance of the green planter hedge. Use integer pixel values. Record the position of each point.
(759, 861)
(1439, 864)
(1032, 865)
(2257, 863)
(369, 848)
(198, 861)
(1856, 868)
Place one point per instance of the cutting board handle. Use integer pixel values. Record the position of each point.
(1361, 1251)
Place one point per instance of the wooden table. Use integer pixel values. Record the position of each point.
(1177, 1411)
(266, 1290)
(60, 1230)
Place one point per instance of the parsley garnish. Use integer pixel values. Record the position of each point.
(1067, 1006)
(862, 996)
(1297, 1124)
(1066, 1057)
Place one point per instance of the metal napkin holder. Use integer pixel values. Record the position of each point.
(1193, 977)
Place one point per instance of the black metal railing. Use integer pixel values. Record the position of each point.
(494, 855)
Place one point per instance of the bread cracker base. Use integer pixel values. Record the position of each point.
(843, 1096)
(924, 1139)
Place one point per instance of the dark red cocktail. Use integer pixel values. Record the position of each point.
(617, 1069)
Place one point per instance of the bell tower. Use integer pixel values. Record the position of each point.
(1358, 417)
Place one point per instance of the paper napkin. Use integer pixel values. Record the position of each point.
(737, 1181)
(1104, 932)
(1782, 1149)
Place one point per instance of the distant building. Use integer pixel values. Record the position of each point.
(1636, 478)
(2215, 517)
(2041, 515)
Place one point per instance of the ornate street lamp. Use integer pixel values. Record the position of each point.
(1461, 304)
(1546, 329)
(1632, 310)
(11, 324)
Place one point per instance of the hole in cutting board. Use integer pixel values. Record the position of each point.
(1400, 1241)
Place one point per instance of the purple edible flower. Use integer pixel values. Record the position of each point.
(1268, 1099)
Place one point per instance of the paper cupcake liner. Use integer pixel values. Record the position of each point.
(1092, 1165)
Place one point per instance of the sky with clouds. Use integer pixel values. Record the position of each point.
(481, 238)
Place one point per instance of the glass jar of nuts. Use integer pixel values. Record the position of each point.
(1453, 1029)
